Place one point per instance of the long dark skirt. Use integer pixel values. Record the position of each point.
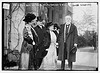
(26, 57)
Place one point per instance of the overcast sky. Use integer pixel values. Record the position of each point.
(88, 8)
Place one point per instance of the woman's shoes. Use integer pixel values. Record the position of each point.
(36, 68)
(69, 68)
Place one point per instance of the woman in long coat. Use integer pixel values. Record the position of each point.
(29, 42)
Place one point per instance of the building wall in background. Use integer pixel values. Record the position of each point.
(55, 14)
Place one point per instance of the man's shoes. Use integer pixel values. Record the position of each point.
(60, 69)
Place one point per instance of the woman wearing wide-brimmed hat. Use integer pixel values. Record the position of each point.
(30, 40)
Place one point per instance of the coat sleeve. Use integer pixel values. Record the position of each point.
(35, 37)
(26, 37)
(47, 40)
(75, 36)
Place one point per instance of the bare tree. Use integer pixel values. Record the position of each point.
(15, 26)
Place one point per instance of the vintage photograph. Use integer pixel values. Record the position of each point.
(50, 36)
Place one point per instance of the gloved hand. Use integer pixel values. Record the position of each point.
(74, 49)
(75, 45)
(33, 43)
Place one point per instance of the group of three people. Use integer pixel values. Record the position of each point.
(40, 42)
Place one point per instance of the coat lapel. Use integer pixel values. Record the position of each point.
(63, 28)
(70, 30)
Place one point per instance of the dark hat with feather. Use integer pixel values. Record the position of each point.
(29, 17)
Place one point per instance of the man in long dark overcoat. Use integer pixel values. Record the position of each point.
(43, 43)
(67, 43)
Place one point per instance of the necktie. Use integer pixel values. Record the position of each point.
(67, 26)
(65, 31)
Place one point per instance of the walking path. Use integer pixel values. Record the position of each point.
(86, 59)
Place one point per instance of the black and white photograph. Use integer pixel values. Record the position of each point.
(50, 36)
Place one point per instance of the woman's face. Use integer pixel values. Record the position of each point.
(33, 22)
(51, 27)
(55, 28)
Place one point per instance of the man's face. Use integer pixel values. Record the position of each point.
(39, 23)
(68, 19)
